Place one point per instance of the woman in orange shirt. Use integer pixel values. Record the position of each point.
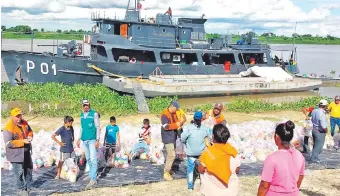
(219, 165)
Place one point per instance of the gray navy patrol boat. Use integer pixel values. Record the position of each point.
(137, 47)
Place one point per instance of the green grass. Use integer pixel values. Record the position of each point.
(40, 35)
(68, 98)
(289, 40)
(271, 40)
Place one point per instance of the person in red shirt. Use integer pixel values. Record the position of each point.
(169, 12)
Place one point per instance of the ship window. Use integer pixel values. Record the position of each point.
(139, 55)
(165, 55)
(213, 59)
(258, 57)
(179, 58)
(164, 30)
(139, 28)
(101, 51)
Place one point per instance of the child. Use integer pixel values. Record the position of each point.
(218, 164)
(143, 142)
(66, 133)
(194, 137)
(111, 139)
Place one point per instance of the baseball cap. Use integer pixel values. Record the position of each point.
(16, 112)
(218, 106)
(323, 102)
(85, 102)
(337, 97)
(175, 104)
(198, 115)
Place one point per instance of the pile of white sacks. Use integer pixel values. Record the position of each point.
(254, 141)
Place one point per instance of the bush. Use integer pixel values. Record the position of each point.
(248, 106)
(68, 99)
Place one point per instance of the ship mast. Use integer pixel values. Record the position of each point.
(136, 8)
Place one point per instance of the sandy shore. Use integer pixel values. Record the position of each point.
(316, 183)
(51, 124)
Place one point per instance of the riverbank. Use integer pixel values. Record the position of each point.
(263, 39)
(315, 183)
(57, 100)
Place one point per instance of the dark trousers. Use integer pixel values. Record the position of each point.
(305, 144)
(109, 150)
(318, 142)
(23, 172)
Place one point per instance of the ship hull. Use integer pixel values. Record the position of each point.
(36, 67)
(231, 86)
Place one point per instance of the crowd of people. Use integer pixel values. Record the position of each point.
(209, 155)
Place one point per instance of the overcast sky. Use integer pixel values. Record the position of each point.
(316, 17)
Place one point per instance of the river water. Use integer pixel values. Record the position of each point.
(317, 59)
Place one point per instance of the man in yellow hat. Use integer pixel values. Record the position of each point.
(17, 137)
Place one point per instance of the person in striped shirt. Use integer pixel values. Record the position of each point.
(144, 140)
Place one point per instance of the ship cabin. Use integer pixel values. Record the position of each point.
(162, 41)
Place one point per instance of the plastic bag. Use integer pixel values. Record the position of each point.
(156, 154)
(70, 170)
(179, 149)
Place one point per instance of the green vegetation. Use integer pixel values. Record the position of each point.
(248, 106)
(106, 102)
(42, 35)
(271, 38)
(68, 99)
(257, 106)
(24, 32)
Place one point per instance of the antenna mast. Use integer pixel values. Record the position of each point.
(294, 35)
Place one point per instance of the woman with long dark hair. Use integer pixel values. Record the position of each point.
(283, 170)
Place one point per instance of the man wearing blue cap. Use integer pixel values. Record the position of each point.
(170, 124)
(195, 137)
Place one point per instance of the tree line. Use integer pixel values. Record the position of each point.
(273, 35)
(28, 29)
